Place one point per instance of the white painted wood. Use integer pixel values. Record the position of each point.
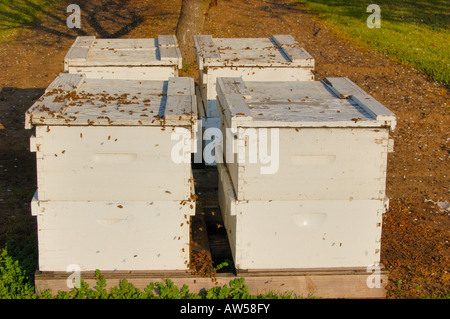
(205, 49)
(291, 48)
(118, 58)
(168, 49)
(73, 99)
(300, 234)
(78, 51)
(83, 41)
(113, 235)
(326, 148)
(345, 88)
(111, 162)
(155, 73)
(260, 52)
(209, 80)
(253, 59)
(114, 139)
(304, 104)
(181, 100)
(207, 124)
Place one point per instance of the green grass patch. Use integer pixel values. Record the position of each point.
(16, 15)
(414, 32)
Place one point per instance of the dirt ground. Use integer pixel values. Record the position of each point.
(415, 241)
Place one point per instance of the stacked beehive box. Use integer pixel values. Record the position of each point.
(143, 59)
(315, 199)
(115, 191)
(279, 58)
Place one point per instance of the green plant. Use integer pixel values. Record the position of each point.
(14, 283)
(170, 291)
(186, 67)
(221, 265)
(235, 290)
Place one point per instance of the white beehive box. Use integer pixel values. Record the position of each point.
(278, 234)
(143, 59)
(279, 58)
(99, 139)
(331, 137)
(113, 235)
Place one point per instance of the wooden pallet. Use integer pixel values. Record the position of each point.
(323, 283)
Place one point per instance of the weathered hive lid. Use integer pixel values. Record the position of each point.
(279, 50)
(73, 99)
(90, 51)
(333, 102)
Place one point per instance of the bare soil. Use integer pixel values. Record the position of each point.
(415, 241)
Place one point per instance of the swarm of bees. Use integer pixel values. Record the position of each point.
(201, 264)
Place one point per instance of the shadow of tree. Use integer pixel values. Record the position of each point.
(104, 18)
(115, 14)
(279, 8)
(434, 13)
(17, 166)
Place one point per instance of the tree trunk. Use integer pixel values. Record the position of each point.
(192, 17)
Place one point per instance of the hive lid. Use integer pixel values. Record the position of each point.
(73, 99)
(277, 51)
(90, 51)
(333, 102)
